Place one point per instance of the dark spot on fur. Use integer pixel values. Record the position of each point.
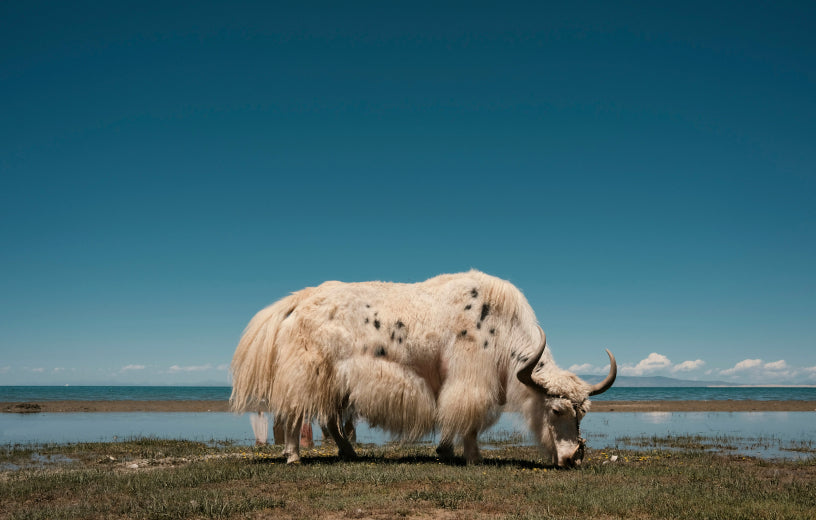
(365, 349)
(540, 364)
(376, 324)
(485, 344)
(485, 311)
(523, 359)
(380, 352)
(463, 333)
(492, 331)
(400, 341)
(400, 324)
(479, 325)
(368, 306)
(474, 293)
(289, 313)
(366, 320)
(513, 354)
(467, 307)
(392, 336)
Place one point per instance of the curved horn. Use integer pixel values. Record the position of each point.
(606, 384)
(525, 373)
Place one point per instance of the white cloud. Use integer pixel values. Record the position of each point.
(757, 371)
(190, 368)
(742, 366)
(747, 371)
(688, 366)
(132, 367)
(58, 370)
(586, 368)
(777, 365)
(38, 370)
(654, 362)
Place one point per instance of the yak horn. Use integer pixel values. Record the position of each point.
(606, 384)
(525, 374)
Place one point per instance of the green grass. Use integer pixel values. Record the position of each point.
(182, 479)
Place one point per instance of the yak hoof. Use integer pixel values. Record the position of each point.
(293, 458)
(348, 455)
(445, 451)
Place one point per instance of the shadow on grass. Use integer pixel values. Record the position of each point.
(410, 459)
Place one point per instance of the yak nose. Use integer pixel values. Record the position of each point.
(574, 459)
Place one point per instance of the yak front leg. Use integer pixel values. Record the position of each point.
(472, 455)
(292, 440)
(343, 445)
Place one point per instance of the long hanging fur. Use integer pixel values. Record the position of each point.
(255, 358)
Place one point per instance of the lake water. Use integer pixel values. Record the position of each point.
(162, 393)
(775, 430)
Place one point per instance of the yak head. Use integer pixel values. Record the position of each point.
(558, 402)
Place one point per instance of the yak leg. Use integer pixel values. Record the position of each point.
(445, 449)
(343, 445)
(349, 430)
(472, 455)
(292, 440)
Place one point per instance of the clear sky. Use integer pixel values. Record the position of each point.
(645, 174)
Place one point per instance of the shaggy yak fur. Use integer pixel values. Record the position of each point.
(445, 354)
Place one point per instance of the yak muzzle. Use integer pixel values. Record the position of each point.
(575, 458)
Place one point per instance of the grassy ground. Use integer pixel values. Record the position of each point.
(150, 478)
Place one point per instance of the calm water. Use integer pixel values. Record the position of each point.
(603, 430)
(161, 393)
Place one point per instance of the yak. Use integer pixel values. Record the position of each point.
(443, 355)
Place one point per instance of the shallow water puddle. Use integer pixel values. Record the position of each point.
(764, 434)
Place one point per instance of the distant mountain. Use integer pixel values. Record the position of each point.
(660, 381)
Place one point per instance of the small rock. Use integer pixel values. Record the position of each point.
(133, 466)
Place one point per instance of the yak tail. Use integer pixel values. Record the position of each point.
(253, 365)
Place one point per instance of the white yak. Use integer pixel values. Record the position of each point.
(445, 354)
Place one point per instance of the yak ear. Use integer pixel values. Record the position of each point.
(525, 373)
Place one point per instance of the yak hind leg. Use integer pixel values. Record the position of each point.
(292, 440)
(349, 430)
(472, 455)
(346, 450)
(445, 449)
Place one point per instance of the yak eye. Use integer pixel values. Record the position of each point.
(558, 412)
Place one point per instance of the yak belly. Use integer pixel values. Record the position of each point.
(389, 396)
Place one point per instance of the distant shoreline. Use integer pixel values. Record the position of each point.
(77, 406)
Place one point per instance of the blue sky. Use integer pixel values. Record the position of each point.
(645, 174)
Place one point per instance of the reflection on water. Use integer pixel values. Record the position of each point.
(602, 429)
(656, 417)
